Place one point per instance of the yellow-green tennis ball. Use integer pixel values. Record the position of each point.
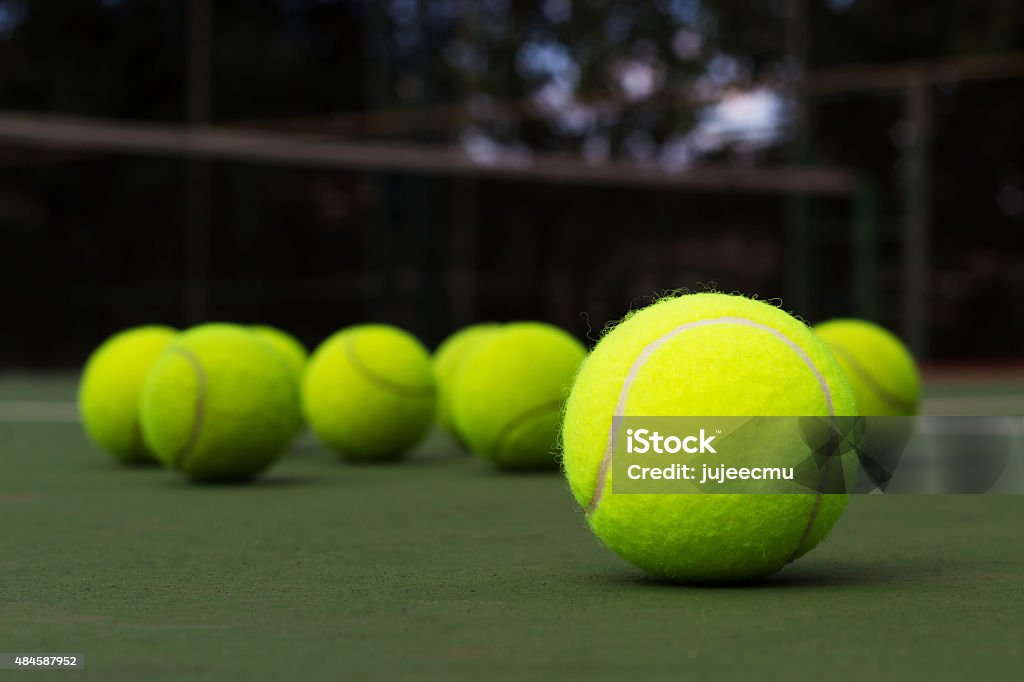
(878, 366)
(108, 397)
(369, 392)
(702, 355)
(219, 404)
(290, 348)
(291, 351)
(509, 393)
(448, 358)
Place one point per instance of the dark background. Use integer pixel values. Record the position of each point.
(91, 242)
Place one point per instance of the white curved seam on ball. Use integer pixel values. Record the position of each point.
(641, 359)
(520, 419)
(384, 383)
(197, 423)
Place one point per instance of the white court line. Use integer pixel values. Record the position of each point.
(980, 405)
(39, 411)
(970, 425)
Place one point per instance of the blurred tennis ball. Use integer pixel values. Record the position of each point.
(709, 355)
(508, 394)
(291, 351)
(448, 359)
(878, 366)
(290, 348)
(369, 392)
(219, 404)
(108, 396)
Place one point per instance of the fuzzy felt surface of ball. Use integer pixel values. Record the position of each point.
(369, 392)
(879, 367)
(219, 404)
(290, 348)
(448, 360)
(508, 395)
(111, 386)
(704, 354)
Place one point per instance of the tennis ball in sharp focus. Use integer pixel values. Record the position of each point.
(448, 359)
(369, 392)
(293, 352)
(219, 404)
(878, 366)
(108, 397)
(704, 354)
(509, 393)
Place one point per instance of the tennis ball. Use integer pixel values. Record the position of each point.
(291, 351)
(704, 354)
(219, 404)
(290, 348)
(369, 392)
(108, 396)
(878, 366)
(508, 394)
(448, 359)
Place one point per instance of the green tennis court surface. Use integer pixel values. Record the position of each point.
(441, 568)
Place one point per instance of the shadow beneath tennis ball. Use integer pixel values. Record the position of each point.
(442, 454)
(383, 463)
(491, 471)
(282, 481)
(792, 578)
(308, 448)
(121, 468)
(413, 459)
(264, 482)
(865, 575)
(426, 460)
(144, 465)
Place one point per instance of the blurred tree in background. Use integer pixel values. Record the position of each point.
(92, 243)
